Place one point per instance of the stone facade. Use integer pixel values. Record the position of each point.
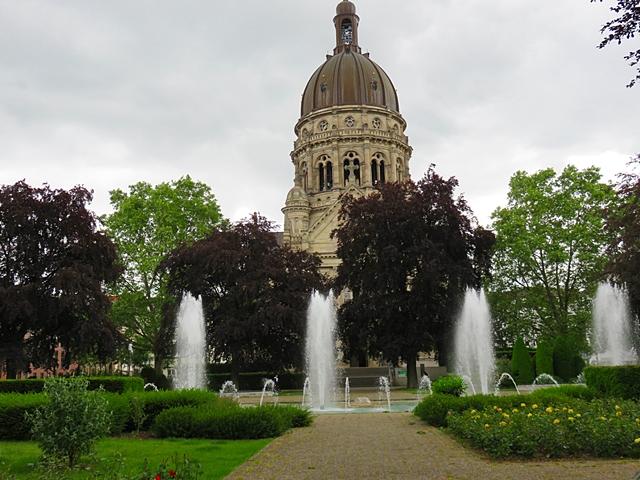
(350, 139)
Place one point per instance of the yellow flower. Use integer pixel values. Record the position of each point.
(549, 409)
(618, 413)
(618, 407)
(570, 411)
(515, 410)
(636, 441)
(505, 415)
(486, 425)
(503, 424)
(556, 421)
(523, 405)
(499, 409)
(529, 415)
(571, 419)
(578, 415)
(602, 418)
(564, 409)
(473, 410)
(534, 406)
(495, 407)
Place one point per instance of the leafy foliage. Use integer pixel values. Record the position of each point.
(108, 384)
(549, 252)
(408, 252)
(521, 363)
(567, 362)
(449, 385)
(624, 248)
(544, 357)
(53, 265)
(71, 421)
(597, 428)
(255, 293)
(617, 382)
(148, 223)
(624, 27)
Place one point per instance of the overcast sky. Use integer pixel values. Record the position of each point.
(108, 93)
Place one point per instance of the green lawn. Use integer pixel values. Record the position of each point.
(18, 460)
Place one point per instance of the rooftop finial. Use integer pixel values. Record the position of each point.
(346, 22)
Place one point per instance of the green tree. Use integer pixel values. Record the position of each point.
(521, 363)
(408, 252)
(148, 223)
(53, 265)
(623, 221)
(550, 247)
(255, 293)
(544, 357)
(624, 27)
(567, 362)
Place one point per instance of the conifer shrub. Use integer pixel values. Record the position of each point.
(521, 363)
(544, 357)
(567, 362)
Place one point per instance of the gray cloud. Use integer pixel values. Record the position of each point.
(109, 93)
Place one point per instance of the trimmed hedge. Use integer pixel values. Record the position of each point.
(254, 380)
(619, 382)
(544, 358)
(521, 364)
(228, 422)
(449, 385)
(567, 362)
(109, 384)
(435, 408)
(13, 407)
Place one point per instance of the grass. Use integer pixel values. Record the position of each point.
(18, 460)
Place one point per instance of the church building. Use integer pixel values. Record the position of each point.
(349, 139)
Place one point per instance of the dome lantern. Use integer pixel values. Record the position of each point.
(346, 22)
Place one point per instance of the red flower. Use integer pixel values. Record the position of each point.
(172, 473)
(158, 477)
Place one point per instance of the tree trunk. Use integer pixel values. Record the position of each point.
(412, 375)
(158, 360)
(235, 371)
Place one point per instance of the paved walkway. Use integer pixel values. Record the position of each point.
(400, 446)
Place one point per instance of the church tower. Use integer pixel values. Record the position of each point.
(349, 139)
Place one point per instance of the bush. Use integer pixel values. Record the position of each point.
(544, 358)
(567, 362)
(435, 408)
(69, 424)
(521, 363)
(597, 428)
(156, 402)
(149, 375)
(620, 382)
(228, 422)
(449, 385)
(13, 407)
(108, 384)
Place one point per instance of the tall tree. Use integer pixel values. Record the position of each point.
(624, 27)
(550, 248)
(53, 264)
(255, 293)
(623, 222)
(147, 224)
(408, 252)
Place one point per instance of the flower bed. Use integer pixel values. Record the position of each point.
(599, 428)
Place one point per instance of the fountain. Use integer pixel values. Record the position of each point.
(152, 386)
(468, 383)
(504, 376)
(229, 389)
(347, 393)
(306, 392)
(190, 345)
(424, 387)
(544, 377)
(384, 391)
(612, 342)
(269, 386)
(473, 344)
(320, 348)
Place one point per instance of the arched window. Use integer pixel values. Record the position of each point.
(374, 172)
(351, 166)
(329, 175)
(399, 170)
(346, 32)
(305, 176)
(377, 169)
(320, 176)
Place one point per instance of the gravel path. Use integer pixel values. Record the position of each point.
(399, 446)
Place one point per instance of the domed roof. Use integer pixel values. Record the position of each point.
(297, 196)
(349, 78)
(346, 8)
